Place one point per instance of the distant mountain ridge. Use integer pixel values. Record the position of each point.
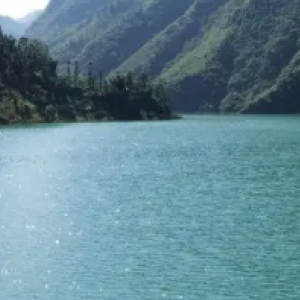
(215, 55)
(31, 17)
(17, 27)
(11, 26)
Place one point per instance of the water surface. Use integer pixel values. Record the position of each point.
(203, 208)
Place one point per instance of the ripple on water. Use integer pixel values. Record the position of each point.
(205, 208)
(30, 227)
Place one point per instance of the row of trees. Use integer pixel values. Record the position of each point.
(32, 89)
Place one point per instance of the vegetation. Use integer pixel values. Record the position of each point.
(32, 91)
(215, 55)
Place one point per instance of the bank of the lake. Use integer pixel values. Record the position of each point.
(32, 90)
(201, 208)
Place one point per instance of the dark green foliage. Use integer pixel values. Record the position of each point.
(127, 96)
(31, 90)
(214, 55)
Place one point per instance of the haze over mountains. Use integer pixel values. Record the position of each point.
(17, 27)
(29, 18)
(215, 55)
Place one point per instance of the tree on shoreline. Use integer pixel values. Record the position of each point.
(32, 89)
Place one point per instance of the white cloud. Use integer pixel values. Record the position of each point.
(19, 8)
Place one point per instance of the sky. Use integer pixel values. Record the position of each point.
(19, 8)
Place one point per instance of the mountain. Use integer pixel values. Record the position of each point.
(17, 27)
(214, 55)
(31, 17)
(11, 26)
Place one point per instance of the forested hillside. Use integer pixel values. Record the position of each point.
(214, 55)
(32, 91)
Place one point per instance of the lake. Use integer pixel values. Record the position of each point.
(207, 207)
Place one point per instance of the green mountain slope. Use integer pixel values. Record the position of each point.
(245, 61)
(215, 55)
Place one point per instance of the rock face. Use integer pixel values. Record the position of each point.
(215, 55)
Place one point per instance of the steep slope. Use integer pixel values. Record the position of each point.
(215, 55)
(111, 33)
(247, 60)
(61, 17)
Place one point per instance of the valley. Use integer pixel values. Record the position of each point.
(214, 55)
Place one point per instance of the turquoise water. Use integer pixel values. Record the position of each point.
(202, 208)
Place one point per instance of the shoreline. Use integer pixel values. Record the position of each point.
(172, 117)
